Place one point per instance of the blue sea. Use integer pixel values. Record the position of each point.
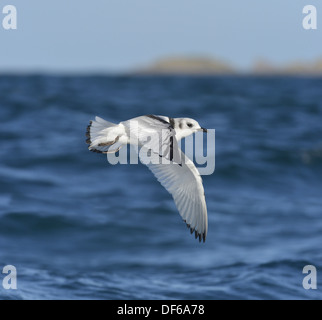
(77, 227)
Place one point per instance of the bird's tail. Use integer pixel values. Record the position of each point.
(101, 135)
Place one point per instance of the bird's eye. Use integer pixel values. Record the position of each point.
(190, 125)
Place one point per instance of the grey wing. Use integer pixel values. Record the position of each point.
(185, 185)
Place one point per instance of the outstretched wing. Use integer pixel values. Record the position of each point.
(185, 185)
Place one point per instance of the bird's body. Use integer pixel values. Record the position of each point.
(168, 163)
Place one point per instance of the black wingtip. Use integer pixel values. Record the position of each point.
(200, 236)
(188, 225)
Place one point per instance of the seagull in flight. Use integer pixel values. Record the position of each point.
(162, 155)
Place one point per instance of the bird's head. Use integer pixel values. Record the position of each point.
(185, 127)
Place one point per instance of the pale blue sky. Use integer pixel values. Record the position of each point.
(115, 35)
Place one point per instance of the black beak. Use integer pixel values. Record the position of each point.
(204, 130)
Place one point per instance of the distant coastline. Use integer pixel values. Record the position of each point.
(186, 66)
(210, 66)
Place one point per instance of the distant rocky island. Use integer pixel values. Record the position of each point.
(186, 65)
(293, 68)
(210, 66)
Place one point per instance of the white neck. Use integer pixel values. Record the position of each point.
(182, 133)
